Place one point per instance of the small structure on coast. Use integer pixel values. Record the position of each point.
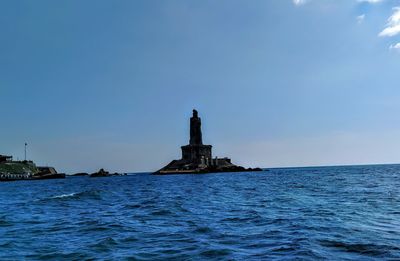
(25, 170)
(197, 157)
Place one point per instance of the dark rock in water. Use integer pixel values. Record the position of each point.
(100, 173)
(197, 158)
(80, 174)
(50, 176)
(103, 173)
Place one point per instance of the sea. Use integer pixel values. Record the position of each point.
(321, 213)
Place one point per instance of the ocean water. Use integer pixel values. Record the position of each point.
(336, 213)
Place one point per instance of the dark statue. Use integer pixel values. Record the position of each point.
(195, 130)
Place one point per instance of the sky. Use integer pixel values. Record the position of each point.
(278, 83)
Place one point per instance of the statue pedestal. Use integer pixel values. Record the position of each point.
(195, 153)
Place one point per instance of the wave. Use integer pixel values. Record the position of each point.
(88, 194)
(65, 195)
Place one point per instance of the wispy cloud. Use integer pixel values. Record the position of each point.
(393, 25)
(299, 2)
(360, 18)
(370, 1)
(395, 47)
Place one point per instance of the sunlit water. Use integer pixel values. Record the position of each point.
(305, 213)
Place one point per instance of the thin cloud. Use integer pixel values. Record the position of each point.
(395, 47)
(302, 2)
(299, 2)
(393, 25)
(360, 18)
(370, 1)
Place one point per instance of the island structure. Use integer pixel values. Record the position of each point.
(197, 157)
(11, 170)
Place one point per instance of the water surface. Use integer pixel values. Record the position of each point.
(307, 213)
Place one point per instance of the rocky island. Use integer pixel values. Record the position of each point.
(104, 173)
(197, 157)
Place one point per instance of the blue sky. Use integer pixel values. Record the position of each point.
(111, 84)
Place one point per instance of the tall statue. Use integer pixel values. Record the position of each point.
(195, 130)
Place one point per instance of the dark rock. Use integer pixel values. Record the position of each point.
(103, 173)
(80, 174)
(50, 176)
(100, 173)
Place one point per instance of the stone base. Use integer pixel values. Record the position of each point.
(187, 167)
(199, 154)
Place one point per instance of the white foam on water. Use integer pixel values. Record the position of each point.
(65, 195)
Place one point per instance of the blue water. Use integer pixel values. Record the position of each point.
(306, 213)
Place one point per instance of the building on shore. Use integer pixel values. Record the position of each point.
(25, 170)
(4, 158)
(197, 157)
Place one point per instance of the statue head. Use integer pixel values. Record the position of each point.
(195, 114)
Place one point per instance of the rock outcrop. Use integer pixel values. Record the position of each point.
(100, 173)
(81, 174)
(103, 173)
